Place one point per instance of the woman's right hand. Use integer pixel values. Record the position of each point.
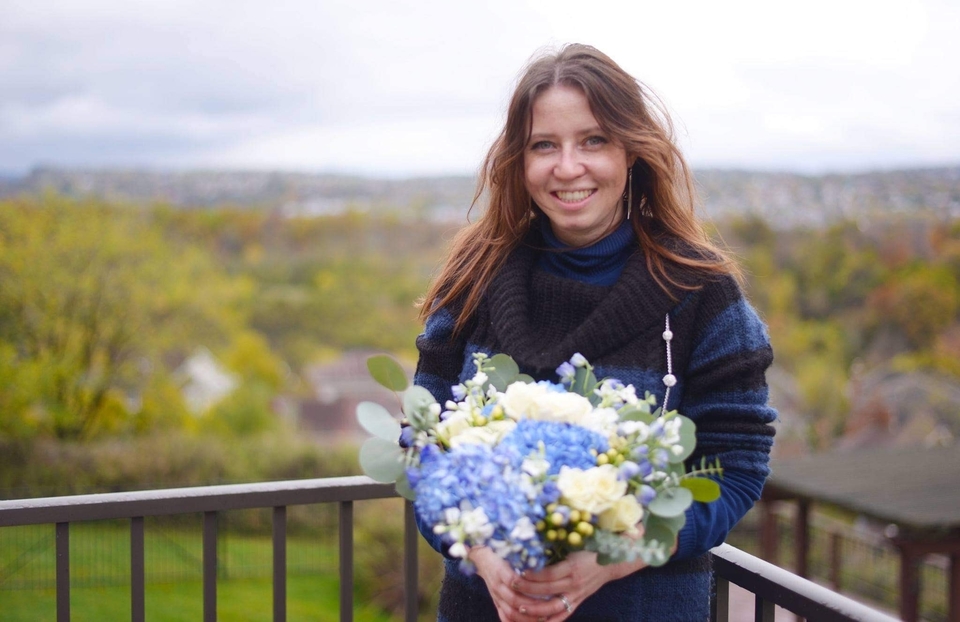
(500, 578)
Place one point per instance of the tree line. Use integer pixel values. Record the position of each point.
(100, 303)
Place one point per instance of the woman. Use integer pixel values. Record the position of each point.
(590, 244)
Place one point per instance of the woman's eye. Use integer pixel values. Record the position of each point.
(596, 141)
(540, 145)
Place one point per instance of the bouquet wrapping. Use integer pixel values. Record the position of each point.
(536, 470)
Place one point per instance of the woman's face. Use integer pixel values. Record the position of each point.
(574, 171)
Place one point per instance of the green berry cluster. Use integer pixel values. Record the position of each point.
(566, 526)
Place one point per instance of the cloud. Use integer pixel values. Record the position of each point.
(417, 86)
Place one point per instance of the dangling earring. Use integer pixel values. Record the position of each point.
(628, 195)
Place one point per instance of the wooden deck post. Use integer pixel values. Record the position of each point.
(801, 536)
(768, 531)
(953, 588)
(909, 583)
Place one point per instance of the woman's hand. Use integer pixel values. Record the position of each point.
(575, 578)
(502, 583)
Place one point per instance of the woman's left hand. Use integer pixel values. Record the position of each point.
(576, 578)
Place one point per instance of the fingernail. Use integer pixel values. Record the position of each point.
(523, 611)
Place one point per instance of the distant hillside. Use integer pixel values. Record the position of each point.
(783, 199)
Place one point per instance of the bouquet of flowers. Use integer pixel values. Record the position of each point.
(536, 470)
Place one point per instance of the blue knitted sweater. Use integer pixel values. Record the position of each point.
(720, 354)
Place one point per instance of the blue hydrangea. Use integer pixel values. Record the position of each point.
(485, 478)
(565, 444)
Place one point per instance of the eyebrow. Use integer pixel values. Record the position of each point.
(596, 129)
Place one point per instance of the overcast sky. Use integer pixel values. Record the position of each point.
(411, 87)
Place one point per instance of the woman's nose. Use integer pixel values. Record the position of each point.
(569, 166)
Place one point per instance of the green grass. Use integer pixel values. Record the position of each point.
(100, 566)
(313, 598)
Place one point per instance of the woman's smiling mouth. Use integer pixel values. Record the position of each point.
(573, 196)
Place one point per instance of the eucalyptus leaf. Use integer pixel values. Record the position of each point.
(584, 382)
(387, 372)
(416, 406)
(381, 460)
(688, 439)
(670, 503)
(632, 413)
(703, 489)
(525, 379)
(663, 529)
(404, 489)
(501, 371)
(376, 420)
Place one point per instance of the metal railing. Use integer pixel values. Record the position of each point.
(770, 584)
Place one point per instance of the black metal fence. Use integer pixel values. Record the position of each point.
(771, 585)
(854, 559)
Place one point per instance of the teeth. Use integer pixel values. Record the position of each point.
(573, 197)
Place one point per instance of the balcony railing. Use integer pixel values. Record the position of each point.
(771, 585)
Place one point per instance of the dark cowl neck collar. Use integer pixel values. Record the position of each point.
(601, 263)
(628, 307)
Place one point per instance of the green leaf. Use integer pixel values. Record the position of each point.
(502, 371)
(703, 489)
(416, 406)
(688, 440)
(662, 528)
(584, 382)
(670, 503)
(381, 460)
(403, 488)
(376, 420)
(525, 379)
(632, 413)
(387, 372)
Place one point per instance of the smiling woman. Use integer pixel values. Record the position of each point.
(590, 244)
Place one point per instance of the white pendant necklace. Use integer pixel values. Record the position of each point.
(669, 380)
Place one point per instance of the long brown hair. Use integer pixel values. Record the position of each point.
(663, 208)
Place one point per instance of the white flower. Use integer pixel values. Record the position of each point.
(593, 490)
(480, 378)
(476, 525)
(523, 530)
(624, 515)
(602, 420)
(535, 466)
(641, 429)
(489, 434)
(452, 426)
(458, 549)
(520, 399)
(563, 408)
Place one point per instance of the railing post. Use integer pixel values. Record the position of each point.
(764, 610)
(137, 603)
(63, 572)
(909, 584)
(280, 564)
(410, 563)
(346, 561)
(720, 604)
(209, 567)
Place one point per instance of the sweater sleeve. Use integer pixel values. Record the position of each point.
(438, 369)
(726, 394)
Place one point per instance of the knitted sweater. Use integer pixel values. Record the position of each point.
(720, 354)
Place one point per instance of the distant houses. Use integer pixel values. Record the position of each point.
(338, 386)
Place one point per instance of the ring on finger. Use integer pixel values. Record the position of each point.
(566, 603)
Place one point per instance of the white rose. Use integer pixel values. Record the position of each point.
(453, 425)
(623, 516)
(564, 407)
(489, 434)
(520, 400)
(594, 490)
